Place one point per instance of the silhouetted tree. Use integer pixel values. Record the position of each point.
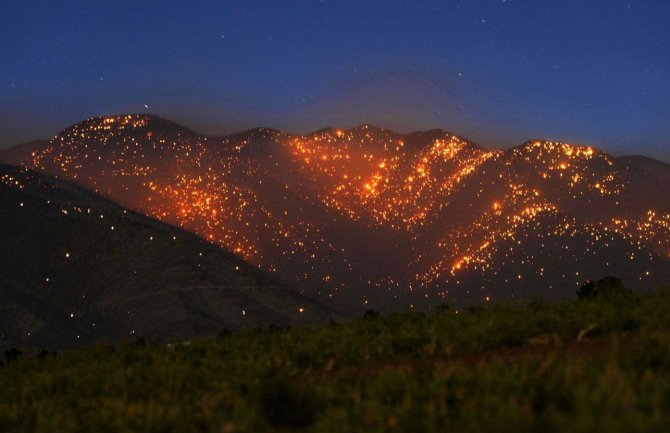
(587, 291)
(370, 314)
(606, 287)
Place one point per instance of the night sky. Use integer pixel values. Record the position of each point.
(497, 71)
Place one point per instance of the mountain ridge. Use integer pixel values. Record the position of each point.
(158, 120)
(368, 217)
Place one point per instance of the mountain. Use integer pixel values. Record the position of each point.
(649, 166)
(368, 218)
(23, 151)
(76, 268)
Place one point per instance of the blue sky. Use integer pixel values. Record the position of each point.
(498, 72)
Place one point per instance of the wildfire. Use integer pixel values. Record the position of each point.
(287, 203)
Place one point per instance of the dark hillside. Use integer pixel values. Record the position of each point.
(76, 268)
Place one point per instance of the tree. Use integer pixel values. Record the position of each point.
(603, 288)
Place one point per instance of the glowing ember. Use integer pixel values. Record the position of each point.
(372, 212)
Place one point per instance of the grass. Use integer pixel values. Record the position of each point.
(592, 365)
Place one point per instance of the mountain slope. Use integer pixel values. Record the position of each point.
(23, 151)
(650, 166)
(77, 268)
(367, 217)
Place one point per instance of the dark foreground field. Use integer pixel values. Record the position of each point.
(589, 365)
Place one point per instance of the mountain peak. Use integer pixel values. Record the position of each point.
(568, 150)
(366, 127)
(127, 122)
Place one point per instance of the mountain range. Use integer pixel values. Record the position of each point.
(77, 269)
(369, 218)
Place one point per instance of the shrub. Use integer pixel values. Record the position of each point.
(285, 405)
(605, 288)
(371, 314)
(12, 354)
(225, 333)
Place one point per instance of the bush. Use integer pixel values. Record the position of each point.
(12, 354)
(285, 405)
(605, 288)
(371, 314)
